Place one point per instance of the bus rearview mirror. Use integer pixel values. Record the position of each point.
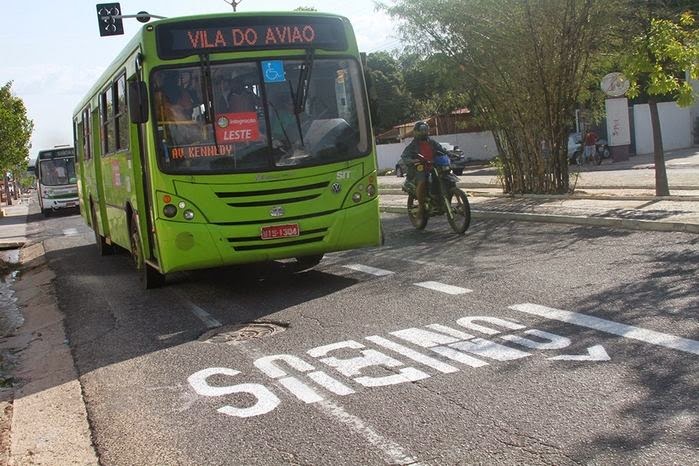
(138, 102)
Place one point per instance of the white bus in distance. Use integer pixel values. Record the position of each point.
(57, 183)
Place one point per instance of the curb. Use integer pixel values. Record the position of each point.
(628, 224)
(601, 197)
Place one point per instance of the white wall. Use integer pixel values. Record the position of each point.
(675, 124)
(476, 146)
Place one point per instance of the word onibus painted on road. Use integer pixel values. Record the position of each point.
(230, 138)
(440, 349)
(57, 182)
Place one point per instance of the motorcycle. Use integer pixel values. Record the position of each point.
(443, 197)
(576, 149)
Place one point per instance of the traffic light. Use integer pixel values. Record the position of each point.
(109, 19)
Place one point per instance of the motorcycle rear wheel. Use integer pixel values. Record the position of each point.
(418, 221)
(460, 217)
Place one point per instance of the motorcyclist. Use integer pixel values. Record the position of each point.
(421, 144)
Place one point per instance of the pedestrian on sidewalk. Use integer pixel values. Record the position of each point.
(590, 142)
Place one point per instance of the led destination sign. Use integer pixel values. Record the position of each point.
(242, 34)
(50, 154)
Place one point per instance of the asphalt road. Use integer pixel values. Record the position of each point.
(360, 378)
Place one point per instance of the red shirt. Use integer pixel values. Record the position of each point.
(590, 139)
(426, 149)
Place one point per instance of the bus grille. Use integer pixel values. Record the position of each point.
(305, 237)
(266, 192)
(270, 202)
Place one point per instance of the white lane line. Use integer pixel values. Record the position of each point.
(393, 452)
(368, 269)
(444, 288)
(204, 316)
(623, 330)
(70, 232)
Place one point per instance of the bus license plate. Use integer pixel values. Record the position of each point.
(280, 231)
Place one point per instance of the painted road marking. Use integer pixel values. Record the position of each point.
(594, 353)
(414, 355)
(448, 289)
(368, 269)
(204, 316)
(623, 330)
(393, 452)
(70, 232)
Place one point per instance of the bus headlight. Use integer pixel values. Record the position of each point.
(356, 197)
(188, 214)
(370, 190)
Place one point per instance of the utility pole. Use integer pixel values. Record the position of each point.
(233, 3)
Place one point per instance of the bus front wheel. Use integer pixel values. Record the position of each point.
(150, 277)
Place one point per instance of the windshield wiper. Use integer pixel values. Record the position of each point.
(296, 114)
(301, 95)
(304, 82)
(207, 92)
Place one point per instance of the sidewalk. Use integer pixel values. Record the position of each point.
(616, 195)
(43, 419)
(13, 225)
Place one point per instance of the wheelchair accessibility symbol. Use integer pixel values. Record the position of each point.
(273, 71)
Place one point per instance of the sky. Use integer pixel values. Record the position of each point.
(53, 53)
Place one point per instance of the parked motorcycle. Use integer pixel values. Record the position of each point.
(443, 197)
(575, 150)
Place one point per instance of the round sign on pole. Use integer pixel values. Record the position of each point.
(614, 84)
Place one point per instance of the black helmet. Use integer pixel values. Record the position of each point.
(421, 130)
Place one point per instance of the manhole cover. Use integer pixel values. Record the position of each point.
(233, 334)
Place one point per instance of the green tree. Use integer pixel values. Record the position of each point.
(15, 133)
(523, 64)
(433, 82)
(391, 104)
(656, 65)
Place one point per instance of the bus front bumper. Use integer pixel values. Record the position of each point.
(189, 246)
(56, 204)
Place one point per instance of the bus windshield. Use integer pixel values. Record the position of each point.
(248, 121)
(57, 172)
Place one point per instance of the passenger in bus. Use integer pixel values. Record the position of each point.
(61, 174)
(177, 108)
(178, 104)
(241, 99)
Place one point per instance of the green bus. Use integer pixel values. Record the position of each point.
(230, 138)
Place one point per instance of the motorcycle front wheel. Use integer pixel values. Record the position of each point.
(418, 221)
(460, 217)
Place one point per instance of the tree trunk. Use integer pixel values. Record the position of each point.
(6, 184)
(661, 186)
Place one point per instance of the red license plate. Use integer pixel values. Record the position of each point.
(280, 231)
